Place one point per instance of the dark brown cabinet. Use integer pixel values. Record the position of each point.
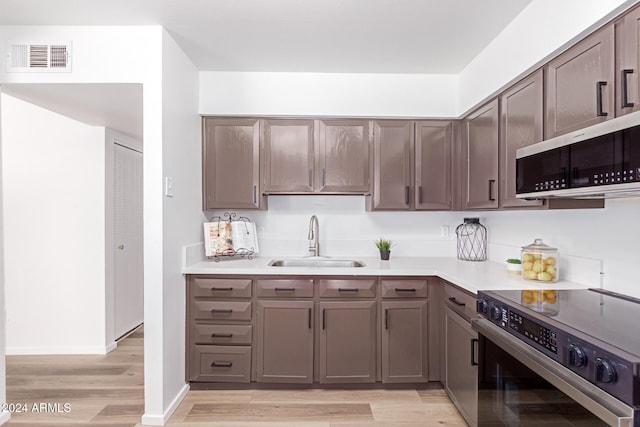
(285, 341)
(627, 62)
(404, 341)
(433, 161)
(343, 156)
(521, 121)
(580, 84)
(392, 142)
(231, 164)
(347, 341)
(288, 156)
(460, 352)
(480, 158)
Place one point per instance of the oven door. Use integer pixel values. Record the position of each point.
(520, 386)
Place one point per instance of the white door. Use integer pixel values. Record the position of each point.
(128, 260)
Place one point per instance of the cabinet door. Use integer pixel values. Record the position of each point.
(347, 342)
(343, 157)
(392, 141)
(461, 377)
(481, 156)
(231, 163)
(404, 341)
(432, 188)
(580, 84)
(285, 341)
(521, 112)
(627, 58)
(288, 156)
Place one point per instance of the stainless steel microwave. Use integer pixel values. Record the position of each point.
(599, 161)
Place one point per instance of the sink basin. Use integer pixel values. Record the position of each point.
(316, 262)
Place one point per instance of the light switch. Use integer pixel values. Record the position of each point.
(168, 186)
(444, 231)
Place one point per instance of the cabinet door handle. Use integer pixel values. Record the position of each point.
(406, 290)
(309, 318)
(324, 318)
(386, 318)
(214, 335)
(348, 289)
(221, 311)
(456, 302)
(624, 89)
(255, 196)
(310, 177)
(323, 177)
(214, 289)
(491, 185)
(222, 364)
(599, 111)
(474, 348)
(406, 195)
(284, 289)
(420, 195)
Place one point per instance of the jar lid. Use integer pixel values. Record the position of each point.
(538, 245)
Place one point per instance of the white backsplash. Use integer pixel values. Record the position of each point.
(598, 247)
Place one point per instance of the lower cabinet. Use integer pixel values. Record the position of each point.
(348, 342)
(285, 341)
(461, 369)
(404, 341)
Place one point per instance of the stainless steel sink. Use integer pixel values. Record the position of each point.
(316, 262)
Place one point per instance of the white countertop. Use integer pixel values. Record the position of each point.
(470, 275)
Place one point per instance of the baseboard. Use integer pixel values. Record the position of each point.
(4, 416)
(111, 347)
(46, 350)
(160, 420)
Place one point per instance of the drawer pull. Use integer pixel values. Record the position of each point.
(285, 289)
(222, 364)
(214, 289)
(214, 335)
(406, 290)
(221, 311)
(456, 302)
(348, 289)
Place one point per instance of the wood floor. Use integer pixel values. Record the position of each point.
(79, 391)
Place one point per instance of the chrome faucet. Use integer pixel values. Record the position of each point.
(314, 244)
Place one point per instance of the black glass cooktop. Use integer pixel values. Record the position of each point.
(609, 317)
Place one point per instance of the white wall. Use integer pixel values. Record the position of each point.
(543, 28)
(4, 415)
(54, 214)
(328, 94)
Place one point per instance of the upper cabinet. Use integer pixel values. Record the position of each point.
(627, 33)
(433, 178)
(392, 141)
(342, 162)
(580, 84)
(288, 156)
(521, 115)
(231, 173)
(480, 158)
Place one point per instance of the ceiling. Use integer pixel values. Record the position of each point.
(332, 36)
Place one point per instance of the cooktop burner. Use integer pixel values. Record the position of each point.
(591, 332)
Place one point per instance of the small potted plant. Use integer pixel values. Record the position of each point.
(384, 246)
(514, 266)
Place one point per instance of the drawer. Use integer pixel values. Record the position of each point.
(460, 301)
(285, 288)
(347, 288)
(222, 334)
(221, 364)
(404, 288)
(224, 288)
(222, 310)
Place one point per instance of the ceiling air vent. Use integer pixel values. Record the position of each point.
(38, 57)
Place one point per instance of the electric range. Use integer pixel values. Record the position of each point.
(594, 333)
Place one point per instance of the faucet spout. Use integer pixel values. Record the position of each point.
(314, 241)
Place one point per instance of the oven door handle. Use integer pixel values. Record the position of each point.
(601, 404)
